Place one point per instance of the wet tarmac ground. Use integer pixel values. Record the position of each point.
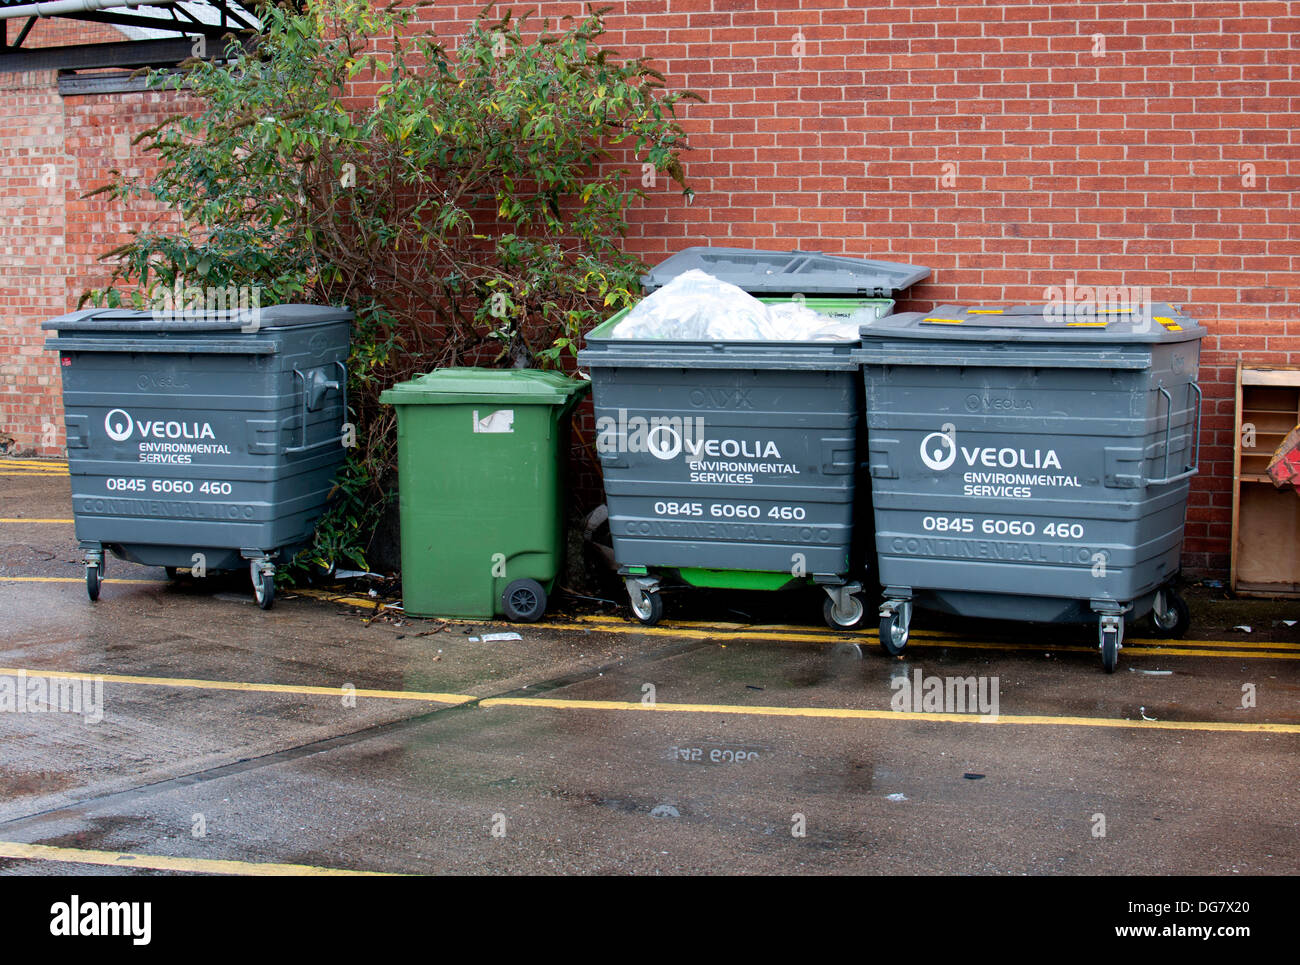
(329, 735)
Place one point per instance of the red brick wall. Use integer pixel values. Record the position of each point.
(33, 259)
(1151, 144)
(1163, 154)
(53, 150)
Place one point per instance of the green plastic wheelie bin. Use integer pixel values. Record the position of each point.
(481, 456)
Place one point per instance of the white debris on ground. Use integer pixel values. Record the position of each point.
(697, 306)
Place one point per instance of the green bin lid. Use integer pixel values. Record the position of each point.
(470, 385)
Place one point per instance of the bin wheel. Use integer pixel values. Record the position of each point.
(170, 571)
(1109, 648)
(837, 620)
(524, 601)
(94, 576)
(894, 630)
(263, 587)
(1171, 616)
(650, 610)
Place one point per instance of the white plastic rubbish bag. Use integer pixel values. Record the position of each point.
(697, 306)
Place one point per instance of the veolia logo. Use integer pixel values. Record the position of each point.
(664, 442)
(939, 449)
(118, 425)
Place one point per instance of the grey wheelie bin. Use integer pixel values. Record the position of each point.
(1032, 467)
(202, 440)
(732, 464)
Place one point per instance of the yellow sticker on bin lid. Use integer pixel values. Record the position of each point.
(984, 311)
(943, 321)
(1169, 324)
(1086, 324)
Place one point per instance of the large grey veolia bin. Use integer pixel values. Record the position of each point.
(733, 464)
(212, 433)
(1032, 467)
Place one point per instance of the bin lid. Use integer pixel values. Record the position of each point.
(145, 320)
(788, 272)
(469, 385)
(1159, 322)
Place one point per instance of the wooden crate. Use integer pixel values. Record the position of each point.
(1265, 520)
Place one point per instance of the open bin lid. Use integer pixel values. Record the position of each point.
(788, 272)
(1159, 322)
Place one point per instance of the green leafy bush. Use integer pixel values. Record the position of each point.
(465, 203)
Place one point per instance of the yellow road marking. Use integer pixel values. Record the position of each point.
(749, 627)
(34, 462)
(838, 713)
(25, 519)
(33, 472)
(1130, 647)
(845, 713)
(840, 636)
(69, 579)
(239, 685)
(1134, 646)
(158, 862)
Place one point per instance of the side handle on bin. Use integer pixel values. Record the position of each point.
(839, 456)
(1191, 469)
(312, 394)
(880, 460)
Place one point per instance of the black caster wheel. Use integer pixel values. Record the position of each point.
(524, 601)
(894, 631)
(1171, 617)
(94, 577)
(836, 620)
(1111, 638)
(651, 609)
(263, 587)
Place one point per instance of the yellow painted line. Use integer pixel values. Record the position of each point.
(364, 601)
(239, 685)
(1131, 648)
(328, 597)
(34, 462)
(34, 473)
(848, 713)
(23, 519)
(159, 862)
(832, 636)
(1135, 646)
(69, 579)
(984, 311)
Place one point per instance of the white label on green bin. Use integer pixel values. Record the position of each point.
(502, 420)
